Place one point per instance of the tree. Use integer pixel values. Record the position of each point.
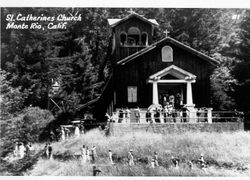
(78, 78)
(241, 70)
(11, 98)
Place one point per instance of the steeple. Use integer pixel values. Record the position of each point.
(131, 34)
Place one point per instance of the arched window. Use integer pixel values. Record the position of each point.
(133, 36)
(123, 38)
(167, 54)
(144, 38)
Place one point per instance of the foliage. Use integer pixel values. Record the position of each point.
(78, 79)
(26, 127)
(241, 70)
(11, 98)
(223, 84)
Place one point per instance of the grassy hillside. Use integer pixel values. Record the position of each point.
(227, 154)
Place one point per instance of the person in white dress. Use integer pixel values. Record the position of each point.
(88, 154)
(83, 153)
(22, 150)
(153, 163)
(77, 131)
(62, 134)
(130, 158)
(16, 150)
(127, 115)
(110, 157)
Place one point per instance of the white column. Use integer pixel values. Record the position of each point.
(155, 93)
(209, 115)
(189, 94)
(190, 105)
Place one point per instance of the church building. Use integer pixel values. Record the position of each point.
(147, 73)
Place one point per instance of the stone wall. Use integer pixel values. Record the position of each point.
(120, 128)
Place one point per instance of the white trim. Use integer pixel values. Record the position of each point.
(172, 81)
(168, 70)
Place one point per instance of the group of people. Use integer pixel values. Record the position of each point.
(156, 114)
(130, 157)
(167, 114)
(124, 115)
(21, 149)
(154, 160)
(88, 154)
(64, 133)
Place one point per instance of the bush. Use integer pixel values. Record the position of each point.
(26, 127)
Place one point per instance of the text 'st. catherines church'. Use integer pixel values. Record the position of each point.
(146, 74)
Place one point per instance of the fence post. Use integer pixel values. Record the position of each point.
(209, 115)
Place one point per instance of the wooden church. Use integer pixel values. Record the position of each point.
(147, 73)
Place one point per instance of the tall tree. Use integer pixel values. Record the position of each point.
(242, 68)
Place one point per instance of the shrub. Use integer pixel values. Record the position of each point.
(26, 127)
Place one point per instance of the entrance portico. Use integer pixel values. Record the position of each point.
(174, 75)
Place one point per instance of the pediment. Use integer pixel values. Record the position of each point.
(172, 72)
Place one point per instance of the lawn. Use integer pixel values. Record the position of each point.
(227, 154)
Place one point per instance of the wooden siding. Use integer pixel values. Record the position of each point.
(136, 73)
(122, 51)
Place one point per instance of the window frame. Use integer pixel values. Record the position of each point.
(167, 49)
(132, 96)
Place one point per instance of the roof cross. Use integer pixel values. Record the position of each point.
(131, 11)
(166, 32)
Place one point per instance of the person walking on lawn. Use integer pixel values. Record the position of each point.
(130, 158)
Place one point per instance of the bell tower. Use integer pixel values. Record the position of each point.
(130, 34)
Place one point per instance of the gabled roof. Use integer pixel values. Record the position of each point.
(174, 71)
(173, 41)
(115, 22)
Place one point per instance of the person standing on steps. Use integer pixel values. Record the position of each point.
(130, 158)
(127, 115)
(148, 116)
(137, 114)
(120, 120)
(157, 115)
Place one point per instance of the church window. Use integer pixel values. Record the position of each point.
(133, 36)
(144, 38)
(167, 54)
(132, 94)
